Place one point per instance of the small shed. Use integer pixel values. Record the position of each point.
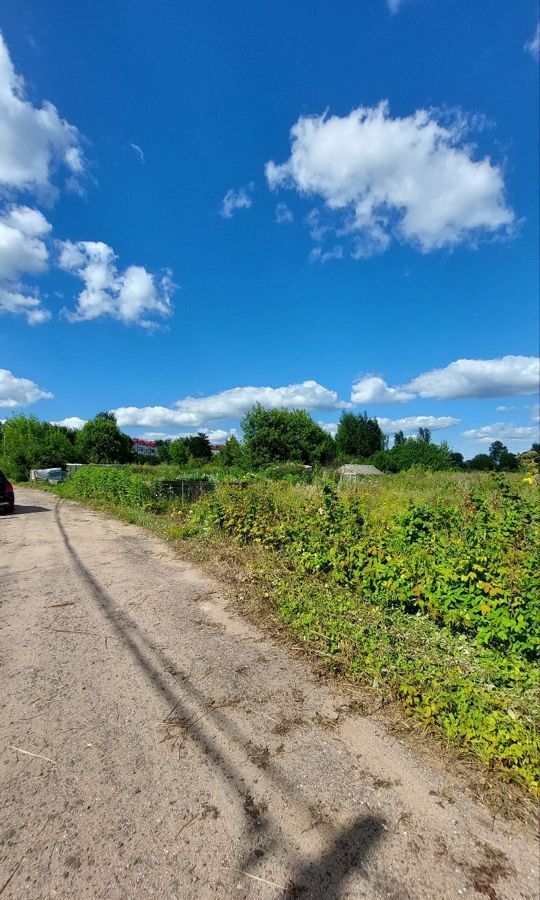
(53, 476)
(73, 467)
(351, 471)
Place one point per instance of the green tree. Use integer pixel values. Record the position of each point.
(178, 452)
(508, 462)
(496, 449)
(457, 459)
(280, 435)
(482, 462)
(424, 434)
(231, 454)
(163, 451)
(101, 441)
(28, 443)
(199, 446)
(399, 439)
(433, 457)
(358, 436)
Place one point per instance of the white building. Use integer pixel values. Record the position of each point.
(144, 448)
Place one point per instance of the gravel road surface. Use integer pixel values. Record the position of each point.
(155, 744)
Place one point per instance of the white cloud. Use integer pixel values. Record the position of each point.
(507, 376)
(317, 254)
(23, 250)
(138, 151)
(533, 46)
(372, 389)
(413, 423)
(502, 431)
(503, 408)
(33, 140)
(230, 404)
(27, 303)
(71, 422)
(129, 296)
(234, 200)
(534, 410)
(394, 5)
(414, 178)
(215, 436)
(19, 391)
(330, 427)
(283, 214)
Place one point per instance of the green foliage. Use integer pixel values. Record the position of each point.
(280, 435)
(231, 454)
(482, 462)
(439, 600)
(414, 452)
(198, 446)
(358, 437)
(124, 485)
(101, 441)
(503, 460)
(424, 585)
(28, 443)
(178, 452)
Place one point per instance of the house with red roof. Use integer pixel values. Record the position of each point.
(144, 448)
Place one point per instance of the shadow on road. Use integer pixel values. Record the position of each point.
(318, 880)
(323, 878)
(23, 510)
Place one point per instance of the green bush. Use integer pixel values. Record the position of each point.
(124, 486)
(439, 600)
(424, 585)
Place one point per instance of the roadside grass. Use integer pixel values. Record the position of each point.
(375, 582)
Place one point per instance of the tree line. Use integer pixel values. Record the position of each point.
(270, 436)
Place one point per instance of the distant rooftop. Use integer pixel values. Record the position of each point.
(353, 469)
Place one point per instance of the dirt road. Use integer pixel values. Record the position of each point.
(154, 744)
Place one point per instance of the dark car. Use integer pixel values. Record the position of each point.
(7, 497)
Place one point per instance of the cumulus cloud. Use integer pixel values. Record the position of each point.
(34, 141)
(372, 389)
(414, 179)
(230, 404)
(130, 296)
(16, 392)
(73, 422)
(330, 427)
(533, 46)
(502, 431)
(283, 214)
(413, 423)
(23, 251)
(507, 376)
(215, 436)
(234, 200)
(28, 304)
(22, 248)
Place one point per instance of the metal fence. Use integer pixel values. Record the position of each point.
(188, 490)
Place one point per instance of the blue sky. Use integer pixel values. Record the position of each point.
(164, 235)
